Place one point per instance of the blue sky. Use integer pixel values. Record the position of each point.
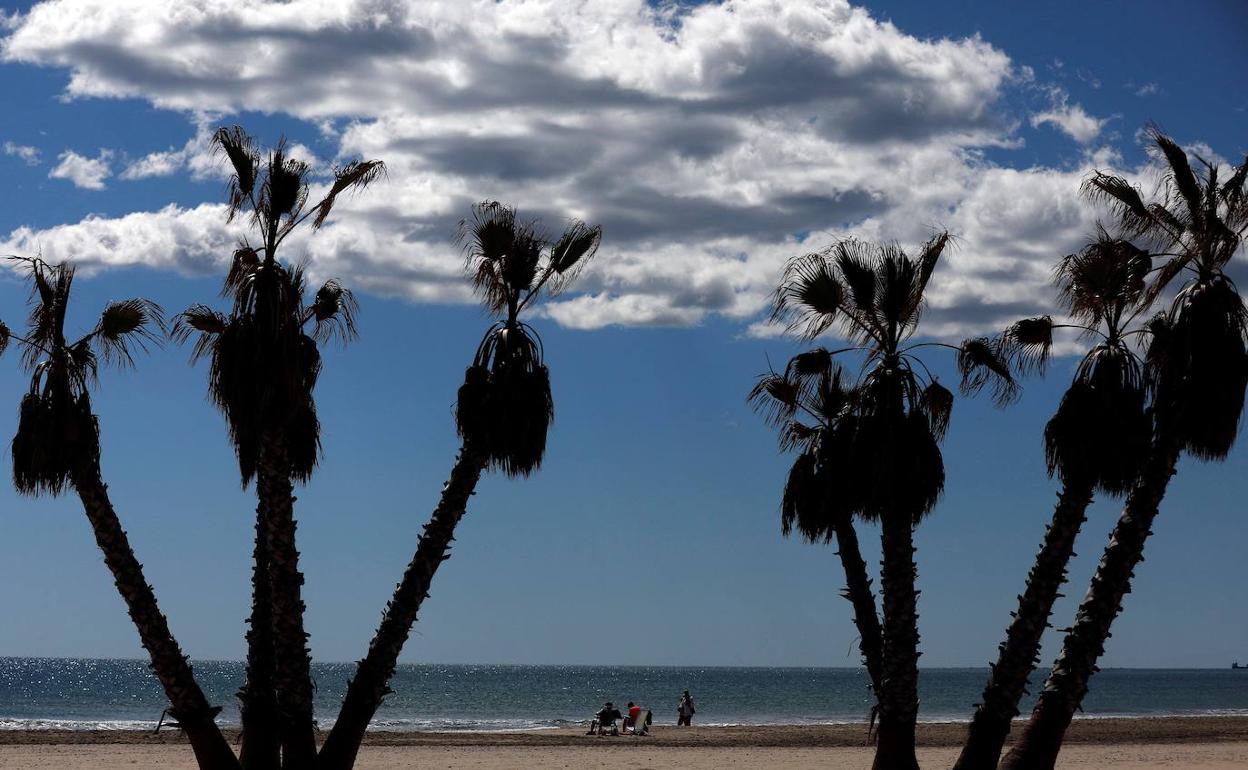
(712, 143)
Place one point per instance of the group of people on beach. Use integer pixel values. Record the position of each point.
(637, 720)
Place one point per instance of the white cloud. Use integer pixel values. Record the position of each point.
(28, 154)
(712, 142)
(1148, 89)
(1070, 119)
(84, 172)
(192, 241)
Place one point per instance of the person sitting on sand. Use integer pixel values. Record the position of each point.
(605, 718)
(634, 711)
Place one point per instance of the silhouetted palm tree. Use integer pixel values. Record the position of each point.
(1097, 440)
(502, 416)
(875, 293)
(58, 445)
(1198, 366)
(264, 366)
(811, 407)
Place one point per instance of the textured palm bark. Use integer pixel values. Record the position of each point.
(858, 592)
(1041, 740)
(292, 660)
(261, 749)
(370, 685)
(188, 703)
(899, 684)
(1021, 649)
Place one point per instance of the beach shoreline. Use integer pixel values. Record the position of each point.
(1105, 731)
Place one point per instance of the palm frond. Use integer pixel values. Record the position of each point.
(775, 398)
(125, 325)
(856, 262)
(938, 406)
(1122, 197)
(487, 237)
(285, 185)
(1181, 175)
(241, 151)
(1029, 342)
(202, 319)
(5, 335)
(242, 266)
(572, 251)
(984, 362)
(334, 309)
(929, 256)
(810, 296)
(354, 176)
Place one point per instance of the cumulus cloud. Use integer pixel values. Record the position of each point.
(86, 173)
(29, 155)
(198, 158)
(711, 141)
(1070, 119)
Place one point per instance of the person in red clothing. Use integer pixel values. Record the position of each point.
(634, 711)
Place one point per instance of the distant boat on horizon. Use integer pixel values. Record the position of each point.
(1238, 667)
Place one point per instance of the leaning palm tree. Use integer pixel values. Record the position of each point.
(58, 446)
(812, 409)
(502, 416)
(1198, 366)
(875, 293)
(264, 365)
(1097, 440)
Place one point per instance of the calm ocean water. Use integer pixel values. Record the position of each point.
(116, 694)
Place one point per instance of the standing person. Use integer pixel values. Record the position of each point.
(685, 711)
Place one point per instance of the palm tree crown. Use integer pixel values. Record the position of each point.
(505, 406)
(264, 358)
(1198, 357)
(875, 292)
(812, 408)
(1101, 429)
(57, 431)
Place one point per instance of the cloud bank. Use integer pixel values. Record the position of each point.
(711, 142)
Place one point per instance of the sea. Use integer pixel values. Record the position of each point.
(92, 694)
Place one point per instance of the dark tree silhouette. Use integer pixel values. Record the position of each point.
(1197, 362)
(875, 293)
(1097, 439)
(812, 409)
(502, 416)
(264, 365)
(58, 446)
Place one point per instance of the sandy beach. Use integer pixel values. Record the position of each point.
(1201, 743)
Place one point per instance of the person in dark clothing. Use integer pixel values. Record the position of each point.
(685, 710)
(604, 719)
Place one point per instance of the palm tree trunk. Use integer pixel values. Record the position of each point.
(858, 592)
(366, 690)
(1019, 652)
(899, 683)
(261, 749)
(187, 701)
(292, 659)
(1038, 746)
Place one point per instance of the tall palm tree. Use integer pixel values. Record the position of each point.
(812, 408)
(1097, 440)
(264, 365)
(58, 445)
(875, 293)
(502, 416)
(1198, 366)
